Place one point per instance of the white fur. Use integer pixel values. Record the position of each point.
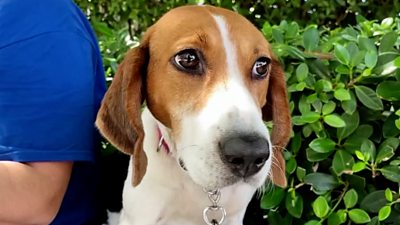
(113, 218)
(168, 195)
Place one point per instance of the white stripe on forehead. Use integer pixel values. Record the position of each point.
(230, 50)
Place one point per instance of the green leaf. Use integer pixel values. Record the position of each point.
(358, 166)
(312, 98)
(323, 86)
(342, 69)
(342, 214)
(304, 106)
(355, 181)
(384, 213)
(388, 195)
(298, 121)
(102, 28)
(291, 165)
(314, 156)
(350, 106)
(295, 143)
(389, 127)
(388, 41)
(274, 218)
(292, 31)
(386, 64)
(366, 44)
(321, 181)
(354, 141)
(371, 58)
(360, 156)
(322, 145)
(294, 52)
(397, 62)
(356, 56)
(334, 219)
(310, 117)
(374, 201)
(386, 149)
(277, 35)
(294, 204)
(328, 108)
(272, 198)
(352, 121)
(302, 72)
(350, 198)
(395, 162)
(387, 22)
(368, 97)
(319, 68)
(368, 149)
(320, 207)
(367, 72)
(389, 90)
(307, 130)
(267, 29)
(300, 86)
(313, 222)
(359, 216)
(342, 55)
(311, 39)
(342, 94)
(300, 173)
(334, 120)
(374, 221)
(391, 172)
(342, 162)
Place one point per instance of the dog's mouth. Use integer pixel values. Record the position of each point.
(219, 180)
(182, 164)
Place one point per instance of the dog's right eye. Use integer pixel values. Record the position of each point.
(189, 61)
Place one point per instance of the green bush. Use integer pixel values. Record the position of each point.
(139, 14)
(344, 87)
(343, 164)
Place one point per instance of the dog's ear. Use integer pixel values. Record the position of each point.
(277, 110)
(119, 118)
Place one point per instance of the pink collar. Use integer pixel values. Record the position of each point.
(161, 142)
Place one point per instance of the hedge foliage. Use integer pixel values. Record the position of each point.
(343, 77)
(343, 163)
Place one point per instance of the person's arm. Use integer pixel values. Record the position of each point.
(31, 193)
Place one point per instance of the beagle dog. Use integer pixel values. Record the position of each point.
(199, 149)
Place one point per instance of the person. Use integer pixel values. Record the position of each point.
(51, 86)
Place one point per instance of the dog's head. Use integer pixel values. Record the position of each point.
(209, 76)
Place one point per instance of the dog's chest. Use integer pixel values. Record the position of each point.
(157, 205)
(160, 206)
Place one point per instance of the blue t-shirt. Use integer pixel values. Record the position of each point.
(51, 86)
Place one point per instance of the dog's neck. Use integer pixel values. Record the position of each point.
(167, 195)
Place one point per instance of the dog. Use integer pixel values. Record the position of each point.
(200, 149)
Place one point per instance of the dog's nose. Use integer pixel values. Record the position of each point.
(245, 155)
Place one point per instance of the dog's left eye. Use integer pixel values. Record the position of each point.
(189, 61)
(261, 68)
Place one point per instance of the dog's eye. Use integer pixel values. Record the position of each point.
(189, 61)
(261, 68)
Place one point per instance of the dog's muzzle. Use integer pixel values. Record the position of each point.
(245, 155)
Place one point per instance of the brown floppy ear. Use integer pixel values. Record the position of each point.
(119, 118)
(277, 110)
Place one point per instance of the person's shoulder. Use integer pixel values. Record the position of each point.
(29, 18)
(28, 8)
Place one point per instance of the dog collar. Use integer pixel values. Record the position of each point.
(161, 141)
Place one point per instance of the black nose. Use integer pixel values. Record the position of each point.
(245, 154)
